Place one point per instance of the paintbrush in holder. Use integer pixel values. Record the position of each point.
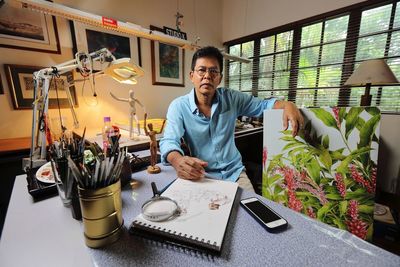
(98, 177)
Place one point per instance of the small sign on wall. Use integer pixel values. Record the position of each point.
(175, 33)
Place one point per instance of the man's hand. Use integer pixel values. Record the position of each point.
(290, 114)
(187, 167)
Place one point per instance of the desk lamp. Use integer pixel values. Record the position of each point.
(122, 70)
(371, 72)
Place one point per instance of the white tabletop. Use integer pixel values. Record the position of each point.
(45, 234)
(41, 233)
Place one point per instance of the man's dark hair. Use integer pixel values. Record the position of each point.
(208, 51)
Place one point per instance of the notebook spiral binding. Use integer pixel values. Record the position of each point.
(163, 235)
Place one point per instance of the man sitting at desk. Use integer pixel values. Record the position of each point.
(206, 117)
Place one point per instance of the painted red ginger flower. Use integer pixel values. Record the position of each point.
(294, 203)
(340, 185)
(295, 180)
(336, 113)
(265, 156)
(311, 213)
(373, 180)
(358, 177)
(355, 225)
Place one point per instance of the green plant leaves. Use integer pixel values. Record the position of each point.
(368, 130)
(327, 170)
(351, 119)
(325, 117)
(326, 159)
(314, 169)
(324, 210)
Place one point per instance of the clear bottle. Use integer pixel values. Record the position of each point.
(107, 132)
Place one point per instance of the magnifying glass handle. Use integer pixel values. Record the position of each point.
(154, 188)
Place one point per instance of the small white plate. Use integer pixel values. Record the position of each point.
(45, 174)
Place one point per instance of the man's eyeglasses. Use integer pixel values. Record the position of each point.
(212, 71)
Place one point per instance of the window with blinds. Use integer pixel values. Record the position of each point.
(309, 63)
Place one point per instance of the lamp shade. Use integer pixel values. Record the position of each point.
(374, 71)
(124, 70)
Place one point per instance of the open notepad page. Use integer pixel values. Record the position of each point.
(205, 210)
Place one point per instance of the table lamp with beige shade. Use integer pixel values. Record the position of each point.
(371, 72)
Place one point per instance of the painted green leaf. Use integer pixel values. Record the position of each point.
(301, 194)
(368, 130)
(337, 154)
(293, 145)
(373, 110)
(343, 207)
(266, 194)
(325, 141)
(339, 223)
(325, 117)
(334, 196)
(287, 138)
(281, 199)
(360, 123)
(326, 159)
(277, 190)
(366, 209)
(370, 232)
(324, 210)
(359, 194)
(272, 179)
(343, 166)
(297, 150)
(351, 119)
(313, 169)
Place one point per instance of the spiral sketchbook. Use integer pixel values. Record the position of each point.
(205, 210)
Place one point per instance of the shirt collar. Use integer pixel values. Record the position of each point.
(192, 100)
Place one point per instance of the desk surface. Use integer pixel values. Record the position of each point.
(44, 234)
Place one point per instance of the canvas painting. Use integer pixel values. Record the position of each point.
(328, 171)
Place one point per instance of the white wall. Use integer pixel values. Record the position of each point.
(17, 123)
(245, 17)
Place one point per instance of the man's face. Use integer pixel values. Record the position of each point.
(206, 75)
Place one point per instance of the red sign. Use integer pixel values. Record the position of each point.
(109, 22)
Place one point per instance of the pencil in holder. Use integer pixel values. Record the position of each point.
(101, 214)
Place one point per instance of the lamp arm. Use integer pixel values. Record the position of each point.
(71, 105)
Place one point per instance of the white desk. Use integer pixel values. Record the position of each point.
(44, 234)
(40, 233)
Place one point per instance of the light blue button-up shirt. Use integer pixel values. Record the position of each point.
(211, 139)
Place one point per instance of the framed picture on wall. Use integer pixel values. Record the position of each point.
(87, 38)
(28, 30)
(167, 63)
(21, 84)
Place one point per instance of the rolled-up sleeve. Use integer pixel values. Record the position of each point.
(252, 106)
(173, 132)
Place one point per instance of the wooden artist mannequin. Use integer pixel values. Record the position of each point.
(148, 128)
(132, 102)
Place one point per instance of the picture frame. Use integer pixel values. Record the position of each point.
(24, 29)
(87, 38)
(167, 63)
(21, 85)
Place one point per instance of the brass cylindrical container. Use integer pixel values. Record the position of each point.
(101, 214)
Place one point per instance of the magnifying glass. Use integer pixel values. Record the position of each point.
(160, 208)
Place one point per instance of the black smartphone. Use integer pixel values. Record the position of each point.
(268, 218)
